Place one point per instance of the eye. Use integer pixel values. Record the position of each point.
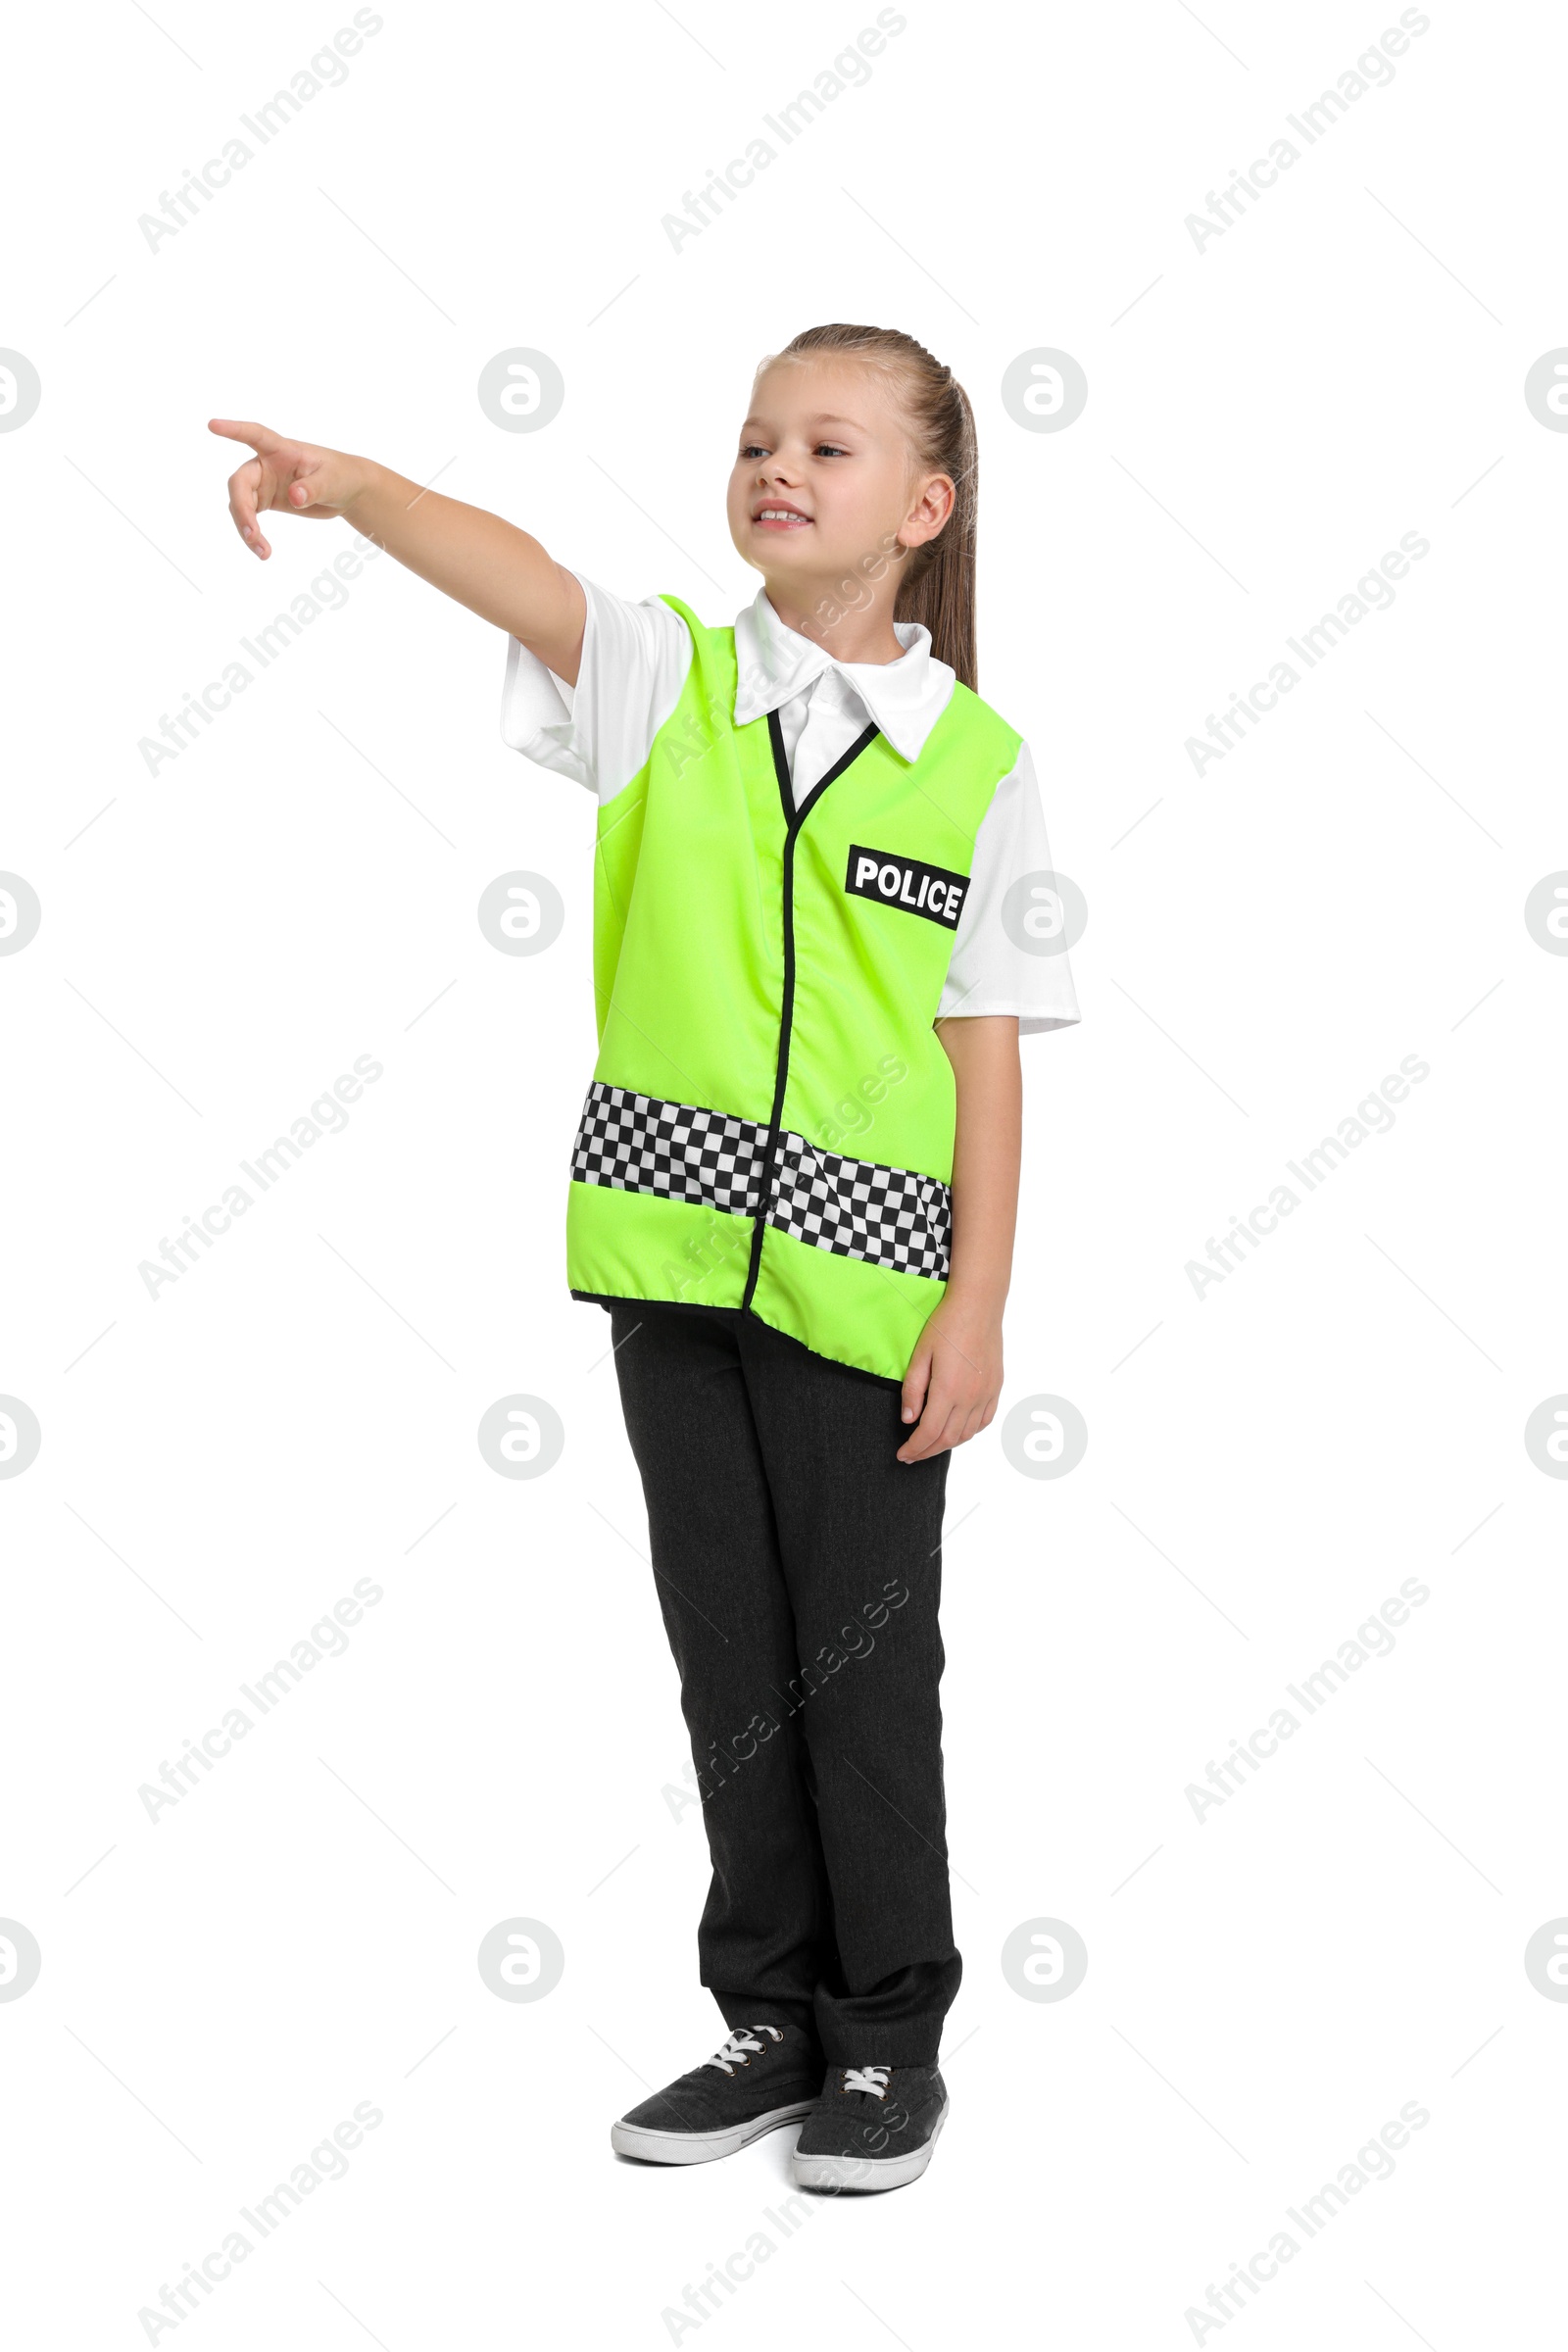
(829, 449)
(752, 449)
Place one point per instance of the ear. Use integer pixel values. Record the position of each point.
(934, 503)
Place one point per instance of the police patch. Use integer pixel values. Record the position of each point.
(928, 890)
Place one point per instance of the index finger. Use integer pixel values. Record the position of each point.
(261, 437)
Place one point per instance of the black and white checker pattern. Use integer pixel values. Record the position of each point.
(640, 1144)
(889, 1216)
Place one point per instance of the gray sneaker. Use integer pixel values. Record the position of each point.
(763, 2077)
(874, 2127)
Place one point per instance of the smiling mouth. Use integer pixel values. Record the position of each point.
(780, 518)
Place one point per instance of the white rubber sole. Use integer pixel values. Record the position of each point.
(867, 2173)
(701, 2147)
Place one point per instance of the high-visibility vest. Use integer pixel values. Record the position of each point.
(770, 1123)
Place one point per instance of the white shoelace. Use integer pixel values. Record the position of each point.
(873, 2079)
(743, 2038)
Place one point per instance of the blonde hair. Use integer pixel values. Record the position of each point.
(937, 582)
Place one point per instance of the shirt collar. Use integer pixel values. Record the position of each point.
(773, 663)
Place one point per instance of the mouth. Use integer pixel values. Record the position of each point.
(780, 517)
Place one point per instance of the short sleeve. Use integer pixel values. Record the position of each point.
(635, 660)
(1009, 953)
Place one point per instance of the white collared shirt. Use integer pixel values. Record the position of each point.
(635, 662)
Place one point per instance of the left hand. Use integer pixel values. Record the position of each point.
(954, 1377)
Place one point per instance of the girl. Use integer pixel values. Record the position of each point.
(794, 1180)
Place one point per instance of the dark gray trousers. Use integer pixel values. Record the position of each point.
(799, 1569)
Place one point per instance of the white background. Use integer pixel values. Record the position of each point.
(220, 941)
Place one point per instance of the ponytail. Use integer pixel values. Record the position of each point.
(936, 586)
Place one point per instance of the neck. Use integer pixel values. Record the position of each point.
(864, 635)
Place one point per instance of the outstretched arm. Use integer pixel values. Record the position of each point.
(954, 1374)
(497, 571)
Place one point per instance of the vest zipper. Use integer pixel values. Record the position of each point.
(793, 818)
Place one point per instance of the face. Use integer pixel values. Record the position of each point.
(826, 495)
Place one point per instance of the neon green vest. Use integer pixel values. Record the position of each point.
(770, 1122)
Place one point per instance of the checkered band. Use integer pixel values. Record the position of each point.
(640, 1144)
(888, 1217)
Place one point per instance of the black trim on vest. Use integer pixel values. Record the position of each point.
(793, 818)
